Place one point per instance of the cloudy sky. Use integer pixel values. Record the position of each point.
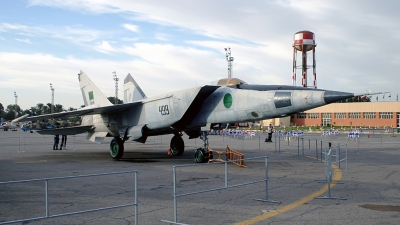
(173, 44)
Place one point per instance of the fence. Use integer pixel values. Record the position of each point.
(226, 185)
(46, 186)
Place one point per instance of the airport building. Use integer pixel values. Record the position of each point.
(359, 114)
(364, 114)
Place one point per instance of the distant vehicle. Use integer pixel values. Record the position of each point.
(188, 111)
(13, 125)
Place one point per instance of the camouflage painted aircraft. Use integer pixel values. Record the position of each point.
(190, 111)
(12, 125)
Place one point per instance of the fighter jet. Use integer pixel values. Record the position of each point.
(13, 125)
(189, 112)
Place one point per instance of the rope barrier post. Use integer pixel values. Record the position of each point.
(346, 157)
(279, 145)
(309, 144)
(302, 145)
(174, 194)
(316, 148)
(136, 199)
(298, 146)
(226, 174)
(321, 151)
(275, 142)
(338, 155)
(46, 186)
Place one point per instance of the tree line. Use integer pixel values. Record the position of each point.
(13, 111)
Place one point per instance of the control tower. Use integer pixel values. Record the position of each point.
(304, 41)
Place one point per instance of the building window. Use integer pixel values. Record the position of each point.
(341, 115)
(313, 115)
(301, 115)
(385, 115)
(369, 115)
(326, 115)
(354, 115)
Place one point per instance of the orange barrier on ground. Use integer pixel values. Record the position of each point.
(210, 158)
(235, 155)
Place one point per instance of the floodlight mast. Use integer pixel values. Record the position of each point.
(15, 106)
(229, 59)
(52, 98)
(116, 87)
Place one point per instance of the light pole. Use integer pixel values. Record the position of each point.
(15, 106)
(116, 87)
(52, 98)
(229, 59)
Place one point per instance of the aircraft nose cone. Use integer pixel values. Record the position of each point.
(334, 96)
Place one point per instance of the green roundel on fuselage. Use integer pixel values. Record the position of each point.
(228, 100)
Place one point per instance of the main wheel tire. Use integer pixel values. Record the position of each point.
(177, 145)
(116, 148)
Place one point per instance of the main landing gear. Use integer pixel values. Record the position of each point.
(177, 145)
(116, 148)
(202, 155)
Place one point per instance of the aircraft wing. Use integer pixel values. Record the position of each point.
(66, 130)
(84, 111)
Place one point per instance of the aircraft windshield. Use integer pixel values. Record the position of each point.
(229, 82)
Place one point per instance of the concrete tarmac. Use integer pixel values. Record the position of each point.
(370, 182)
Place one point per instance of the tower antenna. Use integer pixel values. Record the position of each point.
(116, 87)
(229, 59)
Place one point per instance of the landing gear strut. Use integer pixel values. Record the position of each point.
(177, 145)
(116, 148)
(202, 155)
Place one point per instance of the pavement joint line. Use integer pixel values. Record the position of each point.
(336, 177)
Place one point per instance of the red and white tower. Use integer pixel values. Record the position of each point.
(304, 41)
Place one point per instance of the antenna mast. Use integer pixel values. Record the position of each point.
(16, 98)
(229, 59)
(52, 98)
(116, 87)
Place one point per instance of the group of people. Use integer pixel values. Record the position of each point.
(57, 141)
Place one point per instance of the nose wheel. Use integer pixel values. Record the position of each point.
(202, 155)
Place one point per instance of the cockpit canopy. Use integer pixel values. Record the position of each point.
(228, 82)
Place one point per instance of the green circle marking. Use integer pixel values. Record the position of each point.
(228, 100)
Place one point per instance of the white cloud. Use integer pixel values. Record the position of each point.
(131, 27)
(26, 40)
(104, 47)
(72, 34)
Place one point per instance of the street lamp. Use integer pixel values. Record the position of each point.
(15, 106)
(52, 98)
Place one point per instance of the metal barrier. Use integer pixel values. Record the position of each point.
(226, 186)
(328, 175)
(46, 180)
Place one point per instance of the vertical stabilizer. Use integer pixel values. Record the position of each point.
(92, 96)
(132, 91)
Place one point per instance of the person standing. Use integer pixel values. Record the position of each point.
(56, 141)
(63, 142)
(270, 130)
